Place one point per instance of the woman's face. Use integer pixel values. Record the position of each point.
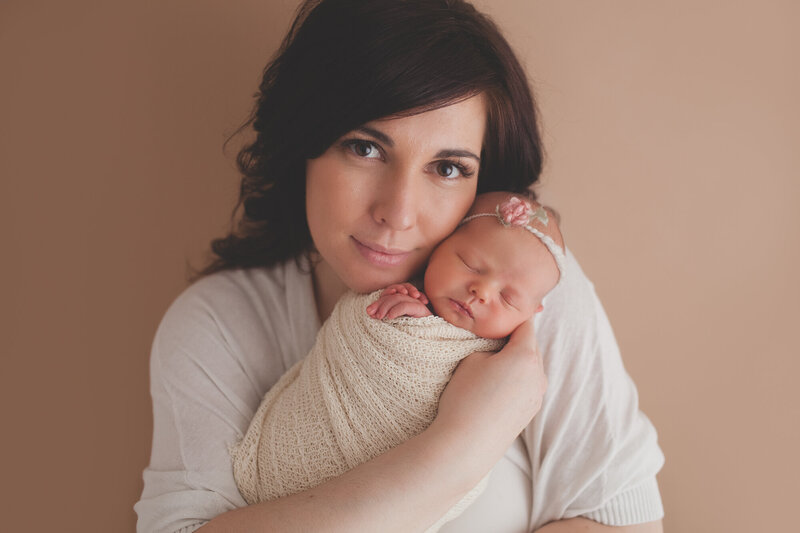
(384, 195)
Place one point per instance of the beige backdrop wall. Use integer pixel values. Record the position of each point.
(672, 132)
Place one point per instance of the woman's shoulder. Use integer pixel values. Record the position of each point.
(590, 394)
(574, 295)
(211, 301)
(573, 326)
(241, 292)
(254, 318)
(235, 286)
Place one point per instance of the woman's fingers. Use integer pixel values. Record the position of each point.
(524, 336)
(492, 397)
(523, 345)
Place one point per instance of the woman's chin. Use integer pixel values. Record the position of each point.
(373, 279)
(364, 286)
(370, 282)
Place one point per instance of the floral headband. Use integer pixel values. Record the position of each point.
(517, 212)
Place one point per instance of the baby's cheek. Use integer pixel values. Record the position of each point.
(436, 305)
(503, 325)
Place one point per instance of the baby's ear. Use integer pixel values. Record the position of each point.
(539, 309)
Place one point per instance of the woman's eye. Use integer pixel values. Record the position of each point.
(364, 149)
(448, 170)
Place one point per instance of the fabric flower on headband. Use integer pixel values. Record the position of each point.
(516, 212)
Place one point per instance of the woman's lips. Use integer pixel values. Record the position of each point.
(379, 255)
(461, 308)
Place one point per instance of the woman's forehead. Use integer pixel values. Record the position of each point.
(460, 125)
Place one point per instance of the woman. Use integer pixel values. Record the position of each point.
(377, 123)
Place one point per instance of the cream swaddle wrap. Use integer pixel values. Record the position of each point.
(366, 386)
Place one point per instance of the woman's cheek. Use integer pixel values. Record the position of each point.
(446, 214)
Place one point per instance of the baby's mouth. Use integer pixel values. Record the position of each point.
(462, 308)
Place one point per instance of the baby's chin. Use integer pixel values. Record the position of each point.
(495, 332)
(442, 308)
(488, 333)
(492, 334)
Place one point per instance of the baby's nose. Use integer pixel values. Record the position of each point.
(479, 291)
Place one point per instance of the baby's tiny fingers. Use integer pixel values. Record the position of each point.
(385, 305)
(410, 289)
(412, 308)
(396, 288)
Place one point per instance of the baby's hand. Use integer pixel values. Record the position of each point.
(405, 288)
(399, 300)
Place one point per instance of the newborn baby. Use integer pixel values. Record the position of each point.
(489, 276)
(368, 385)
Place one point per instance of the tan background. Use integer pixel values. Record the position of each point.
(672, 131)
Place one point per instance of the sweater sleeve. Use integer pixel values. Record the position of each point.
(593, 452)
(214, 355)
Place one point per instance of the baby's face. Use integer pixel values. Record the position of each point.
(489, 279)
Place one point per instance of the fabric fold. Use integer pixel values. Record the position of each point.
(366, 386)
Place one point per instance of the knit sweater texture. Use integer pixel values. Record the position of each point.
(228, 338)
(366, 386)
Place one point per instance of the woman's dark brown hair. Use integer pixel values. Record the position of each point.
(346, 62)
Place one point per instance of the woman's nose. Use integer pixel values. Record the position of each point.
(397, 202)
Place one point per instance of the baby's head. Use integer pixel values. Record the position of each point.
(492, 273)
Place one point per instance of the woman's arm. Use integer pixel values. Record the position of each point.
(584, 525)
(406, 489)
(411, 486)
(205, 389)
(595, 453)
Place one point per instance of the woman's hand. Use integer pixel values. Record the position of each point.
(492, 397)
(489, 400)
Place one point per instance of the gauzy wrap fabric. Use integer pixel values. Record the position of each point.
(366, 386)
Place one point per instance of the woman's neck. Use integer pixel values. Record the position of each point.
(328, 288)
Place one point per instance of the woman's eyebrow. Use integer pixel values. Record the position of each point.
(458, 153)
(382, 137)
(390, 143)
